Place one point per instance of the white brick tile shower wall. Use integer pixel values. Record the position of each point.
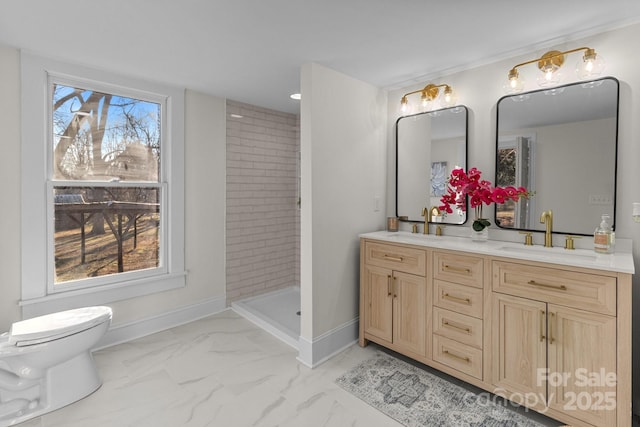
(263, 219)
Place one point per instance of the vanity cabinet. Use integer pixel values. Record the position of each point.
(393, 299)
(457, 312)
(552, 335)
(555, 339)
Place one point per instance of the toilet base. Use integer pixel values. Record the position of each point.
(62, 385)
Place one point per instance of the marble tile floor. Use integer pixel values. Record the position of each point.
(220, 371)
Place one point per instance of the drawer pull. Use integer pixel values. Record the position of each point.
(545, 285)
(464, 359)
(457, 299)
(542, 337)
(457, 269)
(393, 258)
(460, 328)
(388, 285)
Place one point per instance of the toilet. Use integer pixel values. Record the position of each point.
(46, 362)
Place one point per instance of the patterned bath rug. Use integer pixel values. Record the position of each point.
(416, 398)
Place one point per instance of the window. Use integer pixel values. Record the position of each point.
(110, 221)
(516, 160)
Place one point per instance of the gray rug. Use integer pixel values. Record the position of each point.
(414, 397)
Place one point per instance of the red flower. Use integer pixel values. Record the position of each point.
(480, 192)
(499, 195)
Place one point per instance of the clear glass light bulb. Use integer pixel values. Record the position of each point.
(549, 78)
(591, 67)
(404, 106)
(514, 85)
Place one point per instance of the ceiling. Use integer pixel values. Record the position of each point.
(251, 50)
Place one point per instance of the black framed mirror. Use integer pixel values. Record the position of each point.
(560, 143)
(428, 147)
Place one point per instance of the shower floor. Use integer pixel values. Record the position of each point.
(276, 312)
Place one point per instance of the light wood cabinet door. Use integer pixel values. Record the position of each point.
(378, 315)
(409, 315)
(582, 364)
(520, 349)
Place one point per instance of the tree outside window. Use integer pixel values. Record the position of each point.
(105, 169)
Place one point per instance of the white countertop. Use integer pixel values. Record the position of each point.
(621, 262)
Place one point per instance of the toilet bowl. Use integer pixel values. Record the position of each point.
(46, 362)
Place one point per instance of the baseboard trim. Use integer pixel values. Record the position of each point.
(150, 325)
(320, 349)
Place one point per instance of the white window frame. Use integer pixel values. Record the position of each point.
(39, 296)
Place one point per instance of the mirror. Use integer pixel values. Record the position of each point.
(428, 147)
(560, 143)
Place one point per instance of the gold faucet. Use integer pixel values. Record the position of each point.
(434, 212)
(425, 214)
(547, 218)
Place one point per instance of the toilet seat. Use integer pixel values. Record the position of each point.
(57, 325)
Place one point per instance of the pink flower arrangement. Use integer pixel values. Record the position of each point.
(480, 192)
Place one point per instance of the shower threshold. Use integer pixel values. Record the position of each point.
(276, 312)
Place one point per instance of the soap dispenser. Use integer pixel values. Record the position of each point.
(603, 237)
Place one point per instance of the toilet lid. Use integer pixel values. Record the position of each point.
(57, 325)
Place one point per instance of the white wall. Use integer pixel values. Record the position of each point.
(205, 139)
(480, 89)
(343, 142)
(10, 188)
(204, 212)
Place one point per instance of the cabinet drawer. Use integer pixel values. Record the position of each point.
(458, 356)
(463, 269)
(458, 327)
(568, 288)
(458, 298)
(397, 258)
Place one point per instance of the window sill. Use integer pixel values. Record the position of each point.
(101, 294)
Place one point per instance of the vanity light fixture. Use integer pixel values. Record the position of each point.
(591, 65)
(428, 95)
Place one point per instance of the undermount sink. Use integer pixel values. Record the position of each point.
(552, 252)
(413, 236)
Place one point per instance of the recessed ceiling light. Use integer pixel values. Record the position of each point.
(295, 96)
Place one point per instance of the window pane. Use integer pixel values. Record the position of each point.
(104, 137)
(105, 230)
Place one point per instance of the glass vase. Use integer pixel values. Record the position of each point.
(480, 236)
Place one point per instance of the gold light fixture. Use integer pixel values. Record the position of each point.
(428, 95)
(550, 63)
